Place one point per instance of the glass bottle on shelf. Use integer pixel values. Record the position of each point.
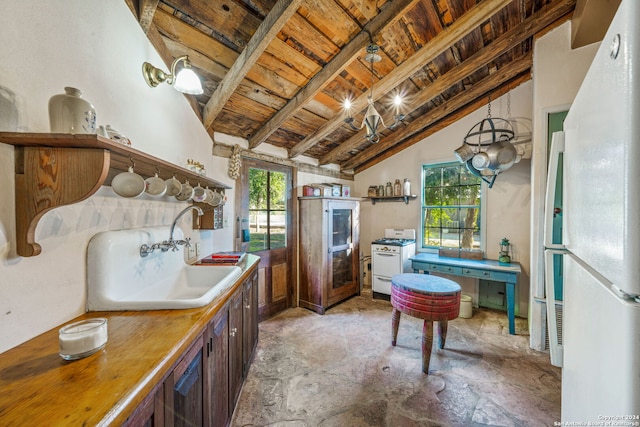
(407, 187)
(389, 190)
(397, 188)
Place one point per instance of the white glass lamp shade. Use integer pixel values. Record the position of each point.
(188, 82)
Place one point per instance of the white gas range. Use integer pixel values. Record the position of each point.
(390, 255)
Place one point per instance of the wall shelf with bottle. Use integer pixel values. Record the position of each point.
(391, 199)
(391, 192)
(57, 169)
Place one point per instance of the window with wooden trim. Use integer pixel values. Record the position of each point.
(451, 205)
(267, 209)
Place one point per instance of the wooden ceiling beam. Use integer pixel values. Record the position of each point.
(351, 143)
(350, 51)
(438, 44)
(532, 25)
(180, 32)
(454, 104)
(268, 29)
(132, 7)
(146, 12)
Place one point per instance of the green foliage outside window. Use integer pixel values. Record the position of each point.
(263, 183)
(450, 207)
(267, 209)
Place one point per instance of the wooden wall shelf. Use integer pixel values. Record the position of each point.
(53, 170)
(404, 199)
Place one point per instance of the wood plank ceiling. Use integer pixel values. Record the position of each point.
(278, 72)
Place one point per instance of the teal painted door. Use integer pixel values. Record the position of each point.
(555, 123)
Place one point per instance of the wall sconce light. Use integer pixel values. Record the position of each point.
(185, 81)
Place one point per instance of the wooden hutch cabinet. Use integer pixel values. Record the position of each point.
(329, 251)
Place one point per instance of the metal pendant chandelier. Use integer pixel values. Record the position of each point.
(372, 119)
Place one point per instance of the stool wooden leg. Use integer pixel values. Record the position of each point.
(442, 331)
(427, 343)
(395, 321)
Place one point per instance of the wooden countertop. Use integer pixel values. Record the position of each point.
(39, 388)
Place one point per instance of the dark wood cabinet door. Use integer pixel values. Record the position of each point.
(216, 374)
(235, 347)
(150, 413)
(250, 320)
(183, 395)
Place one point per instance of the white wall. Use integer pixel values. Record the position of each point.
(98, 47)
(558, 72)
(507, 203)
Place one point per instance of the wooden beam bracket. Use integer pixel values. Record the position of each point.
(47, 178)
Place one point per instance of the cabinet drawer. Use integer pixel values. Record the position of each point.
(471, 272)
(488, 275)
(444, 269)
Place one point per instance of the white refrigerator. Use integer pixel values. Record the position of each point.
(599, 349)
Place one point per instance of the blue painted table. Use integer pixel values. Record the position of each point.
(480, 269)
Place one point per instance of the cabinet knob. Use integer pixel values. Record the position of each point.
(233, 332)
(248, 306)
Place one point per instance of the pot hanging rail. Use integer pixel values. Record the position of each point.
(487, 148)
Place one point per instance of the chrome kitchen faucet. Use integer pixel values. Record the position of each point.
(171, 243)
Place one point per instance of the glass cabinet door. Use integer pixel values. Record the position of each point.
(341, 241)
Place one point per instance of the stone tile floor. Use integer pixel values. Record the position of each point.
(339, 369)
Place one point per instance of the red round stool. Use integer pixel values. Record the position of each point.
(427, 297)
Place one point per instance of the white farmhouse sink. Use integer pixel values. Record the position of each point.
(118, 278)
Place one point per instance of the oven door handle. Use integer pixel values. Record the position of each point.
(383, 279)
(384, 254)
